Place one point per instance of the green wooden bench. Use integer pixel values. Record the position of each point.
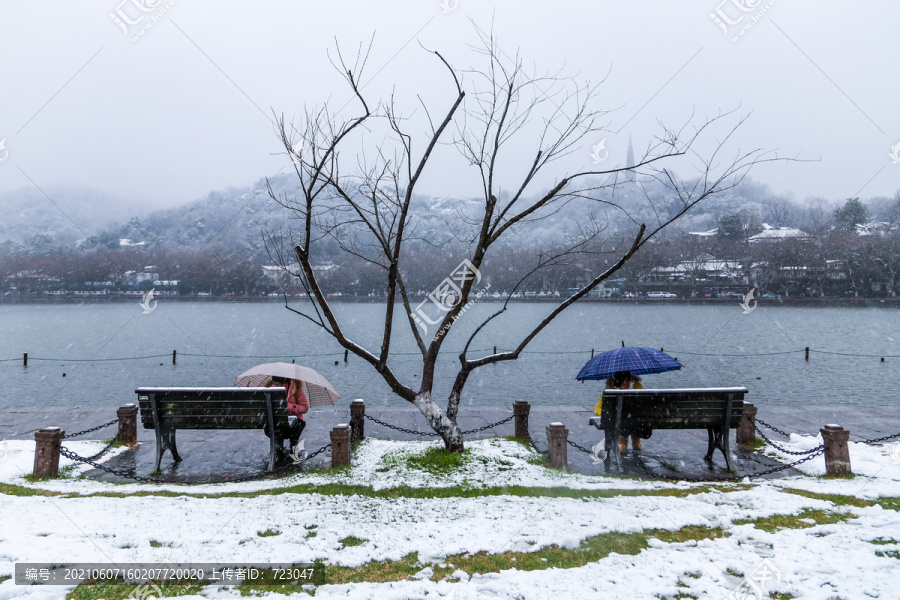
(166, 410)
(627, 412)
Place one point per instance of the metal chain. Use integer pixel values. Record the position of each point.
(124, 474)
(528, 435)
(787, 435)
(582, 448)
(403, 429)
(741, 477)
(71, 435)
(881, 439)
(772, 427)
(108, 446)
(433, 434)
(786, 451)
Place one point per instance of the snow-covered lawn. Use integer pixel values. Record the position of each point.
(815, 561)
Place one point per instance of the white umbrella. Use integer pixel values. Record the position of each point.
(318, 391)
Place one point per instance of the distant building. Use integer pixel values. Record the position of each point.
(706, 268)
(774, 234)
(873, 228)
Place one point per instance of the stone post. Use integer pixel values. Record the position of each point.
(837, 455)
(340, 445)
(521, 408)
(557, 434)
(127, 424)
(358, 419)
(46, 452)
(746, 431)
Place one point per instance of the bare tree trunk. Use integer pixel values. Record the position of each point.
(442, 425)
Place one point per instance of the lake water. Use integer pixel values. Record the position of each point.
(718, 345)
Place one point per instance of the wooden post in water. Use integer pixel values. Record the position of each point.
(592, 353)
(807, 354)
(25, 359)
(174, 354)
(346, 352)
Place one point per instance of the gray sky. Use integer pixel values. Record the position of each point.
(186, 109)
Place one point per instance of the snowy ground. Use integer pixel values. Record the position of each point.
(823, 561)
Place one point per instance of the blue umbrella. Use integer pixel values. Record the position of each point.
(636, 360)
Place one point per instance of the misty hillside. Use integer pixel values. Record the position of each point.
(235, 218)
(68, 215)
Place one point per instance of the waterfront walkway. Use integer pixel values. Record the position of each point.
(216, 455)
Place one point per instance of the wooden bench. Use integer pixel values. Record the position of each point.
(626, 412)
(166, 410)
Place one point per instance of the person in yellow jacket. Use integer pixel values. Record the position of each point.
(622, 380)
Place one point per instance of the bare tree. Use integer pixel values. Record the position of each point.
(363, 199)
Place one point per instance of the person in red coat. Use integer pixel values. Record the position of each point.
(297, 405)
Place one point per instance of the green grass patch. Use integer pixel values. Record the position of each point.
(63, 473)
(756, 444)
(4, 578)
(833, 498)
(122, 591)
(888, 553)
(436, 460)
(590, 550)
(268, 533)
(10, 489)
(776, 522)
(888, 503)
(351, 541)
(343, 489)
(734, 573)
(512, 438)
(883, 542)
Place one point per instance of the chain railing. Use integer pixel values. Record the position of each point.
(91, 430)
(784, 450)
(90, 460)
(524, 423)
(580, 447)
(762, 473)
(434, 434)
(772, 427)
